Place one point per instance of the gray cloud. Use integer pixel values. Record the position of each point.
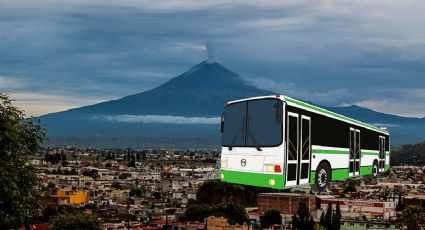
(333, 52)
(334, 97)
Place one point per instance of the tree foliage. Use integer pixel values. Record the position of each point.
(302, 219)
(19, 137)
(199, 211)
(93, 173)
(269, 218)
(216, 198)
(412, 218)
(116, 185)
(400, 204)
(331, 220)
(336, 218)
(69, 221)
(409, 155)
(216, 192)
(350, 187)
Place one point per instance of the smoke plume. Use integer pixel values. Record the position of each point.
(210, 47)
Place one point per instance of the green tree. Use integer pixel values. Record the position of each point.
(400, 204)
(216, 192)
(116, 185)
(302, 219)
(69, 221)
(49, 212)
(331, 220)
(197, 212)
(350, 187)
(93, 173)
(124, 176)
(51, 185)
(336, 218)
(269, 218)
(328, 217)
(322, 220)
(20, 136)
(131, 163)
(412, 218)
(235, 214)
(136, 192)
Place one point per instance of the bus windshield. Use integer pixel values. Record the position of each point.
(256, 123)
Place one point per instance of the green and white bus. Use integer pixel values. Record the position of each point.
(279, 142)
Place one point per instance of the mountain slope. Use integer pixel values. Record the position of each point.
(200, 91)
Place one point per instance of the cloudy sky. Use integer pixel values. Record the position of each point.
(56, 55)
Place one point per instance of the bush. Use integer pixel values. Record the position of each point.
(76, 221)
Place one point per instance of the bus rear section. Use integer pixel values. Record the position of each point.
(252, 143)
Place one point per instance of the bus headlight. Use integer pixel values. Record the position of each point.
(273, 168)
(269, 168)
(223, 164)
(272, 182)
(222, 176)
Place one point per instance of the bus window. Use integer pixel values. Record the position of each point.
(256, 123)
(234, 125)
(263, 126)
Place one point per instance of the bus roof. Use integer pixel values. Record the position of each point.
(315, 109)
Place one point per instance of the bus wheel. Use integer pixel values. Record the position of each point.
(323, 176)
(375, 169)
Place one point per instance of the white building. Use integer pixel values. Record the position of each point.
(371, 209)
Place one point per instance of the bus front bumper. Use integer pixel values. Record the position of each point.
(275, 181)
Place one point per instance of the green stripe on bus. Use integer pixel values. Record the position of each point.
(312, 177)
(333, 114)
(386, 167)
(329, 151)
(254, 179)
(339, 174)
(334, 151)
(365, 170)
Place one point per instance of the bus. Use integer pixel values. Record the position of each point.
(280, 142)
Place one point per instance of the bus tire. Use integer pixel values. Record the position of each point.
(375, 169)
(323, 176)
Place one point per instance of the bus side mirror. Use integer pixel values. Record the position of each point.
(222, 123)
(279, 112)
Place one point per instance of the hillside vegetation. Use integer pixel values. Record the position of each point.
(409, 155)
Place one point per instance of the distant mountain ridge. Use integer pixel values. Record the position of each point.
(199, 92)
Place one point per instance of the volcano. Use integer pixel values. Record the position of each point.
(200, 92)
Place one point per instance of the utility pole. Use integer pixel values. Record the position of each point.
(128, 212)
(166, 220)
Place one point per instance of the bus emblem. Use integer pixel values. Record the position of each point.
(243, 162)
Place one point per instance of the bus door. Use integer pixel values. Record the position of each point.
(354, 162)
(298, 149)
(381, 164)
